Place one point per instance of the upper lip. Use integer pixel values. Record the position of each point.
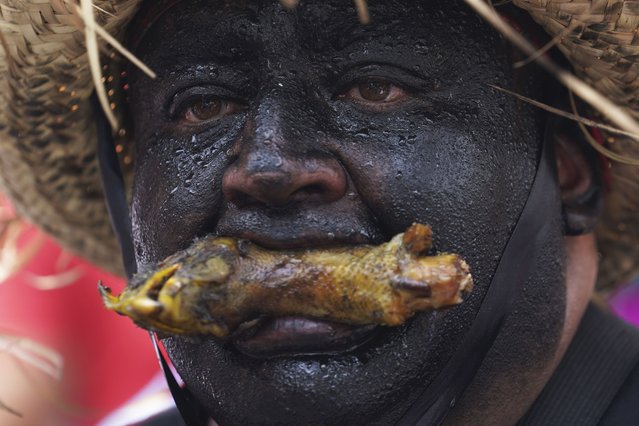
(304, 240)
(299, 229)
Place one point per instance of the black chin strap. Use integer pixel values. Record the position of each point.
(515, 266)
(440, 396)
(113, 184)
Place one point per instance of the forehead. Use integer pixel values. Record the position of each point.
(234, 30)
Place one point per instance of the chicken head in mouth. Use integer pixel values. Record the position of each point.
(221, 285)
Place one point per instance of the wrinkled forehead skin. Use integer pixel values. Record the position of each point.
(454, 154)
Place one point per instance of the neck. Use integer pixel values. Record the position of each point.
(505, 401)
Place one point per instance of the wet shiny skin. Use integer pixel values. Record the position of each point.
(298, 155)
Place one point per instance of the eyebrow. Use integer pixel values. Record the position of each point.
(227, 49)
(339, 34)
(231, 30)
(321, 36)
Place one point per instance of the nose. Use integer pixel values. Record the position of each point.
(270, 173)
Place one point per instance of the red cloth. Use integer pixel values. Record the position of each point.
(107, 359)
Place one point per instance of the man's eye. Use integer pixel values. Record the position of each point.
(208, 109)
(374, 92)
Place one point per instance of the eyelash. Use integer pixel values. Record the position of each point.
(374, 92)
(192, 111)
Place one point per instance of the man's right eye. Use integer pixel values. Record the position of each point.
(207, 109)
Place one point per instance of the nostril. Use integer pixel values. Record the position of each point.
(243, 187)
(313, 191)
(241, 199)
(295, 182)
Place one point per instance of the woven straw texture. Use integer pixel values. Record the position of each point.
(48, 164)
(603, 47)
(48, 161)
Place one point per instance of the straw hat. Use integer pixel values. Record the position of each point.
(48, 164)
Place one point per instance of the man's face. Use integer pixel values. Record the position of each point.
(306, 129)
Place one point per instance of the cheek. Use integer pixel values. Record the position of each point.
(177, 194)
(469, 185)
(436, 176)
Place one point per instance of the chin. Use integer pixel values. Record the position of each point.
(350, 386)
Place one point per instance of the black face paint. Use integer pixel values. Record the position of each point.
(451, 155)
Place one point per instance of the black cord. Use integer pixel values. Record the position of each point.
(515, 266)
(113, 186)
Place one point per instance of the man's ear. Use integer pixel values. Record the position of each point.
(579, 179)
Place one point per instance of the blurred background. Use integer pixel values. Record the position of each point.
(64, 359)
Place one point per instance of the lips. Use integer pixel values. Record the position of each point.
(313, 240)
(298, 336)
(301, 336)
(295, 335)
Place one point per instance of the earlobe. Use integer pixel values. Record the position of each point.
(580, 184)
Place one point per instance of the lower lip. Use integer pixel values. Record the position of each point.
(299, 336)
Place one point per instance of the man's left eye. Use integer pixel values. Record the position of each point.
(374, 92)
